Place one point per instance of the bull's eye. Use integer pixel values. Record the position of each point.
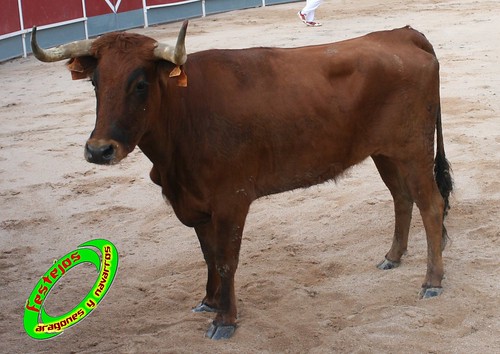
(141, 87)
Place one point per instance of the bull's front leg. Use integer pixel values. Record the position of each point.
(220, 240)
(210, 302)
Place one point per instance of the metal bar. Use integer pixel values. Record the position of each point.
(21, 22)
(59, 24)
(145, 11)
(84, 13)
(53, 25)
(172, 4)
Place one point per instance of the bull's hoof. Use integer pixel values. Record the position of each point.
(202, 307)
(427, 293)
(387, 264)
(217, 332)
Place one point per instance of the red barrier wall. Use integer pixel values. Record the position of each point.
(45, 12)
(10, 17)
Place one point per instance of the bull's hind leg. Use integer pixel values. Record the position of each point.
(425, 192)
(403, 206)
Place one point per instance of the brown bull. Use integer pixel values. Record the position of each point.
(248, 123)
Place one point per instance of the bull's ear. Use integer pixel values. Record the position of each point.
(82, 67)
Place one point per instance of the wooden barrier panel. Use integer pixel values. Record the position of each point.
(9, 19)
(46, 12)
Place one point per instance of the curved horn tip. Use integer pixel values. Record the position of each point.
(33, 41)
(33, 36)
(177, 54)
(182, 32)
(180, 56)
(35, 48)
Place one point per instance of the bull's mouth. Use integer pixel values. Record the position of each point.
(104, 152)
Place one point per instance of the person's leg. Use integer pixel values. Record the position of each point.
(309, 9)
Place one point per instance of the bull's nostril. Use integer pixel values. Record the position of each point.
(100, 154)
(108, 152)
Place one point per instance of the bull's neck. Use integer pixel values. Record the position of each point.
(156, 144)
(161, 142)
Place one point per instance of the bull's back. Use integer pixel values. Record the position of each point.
(260, 81)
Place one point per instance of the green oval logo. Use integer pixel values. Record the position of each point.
(37, 323)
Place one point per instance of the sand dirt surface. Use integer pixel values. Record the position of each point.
(307, 281)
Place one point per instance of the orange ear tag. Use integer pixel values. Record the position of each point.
(180, 75)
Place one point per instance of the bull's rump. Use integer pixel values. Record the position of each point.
(291, 118)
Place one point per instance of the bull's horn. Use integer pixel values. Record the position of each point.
(65, 51)
(175, 55)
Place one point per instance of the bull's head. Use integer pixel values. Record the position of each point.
(124, 71)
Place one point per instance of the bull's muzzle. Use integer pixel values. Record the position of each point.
(104, 152)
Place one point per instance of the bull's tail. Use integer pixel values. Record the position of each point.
(442, 171)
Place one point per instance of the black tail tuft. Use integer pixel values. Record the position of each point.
(442, 173)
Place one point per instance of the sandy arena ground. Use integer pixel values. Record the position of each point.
(307, 281)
